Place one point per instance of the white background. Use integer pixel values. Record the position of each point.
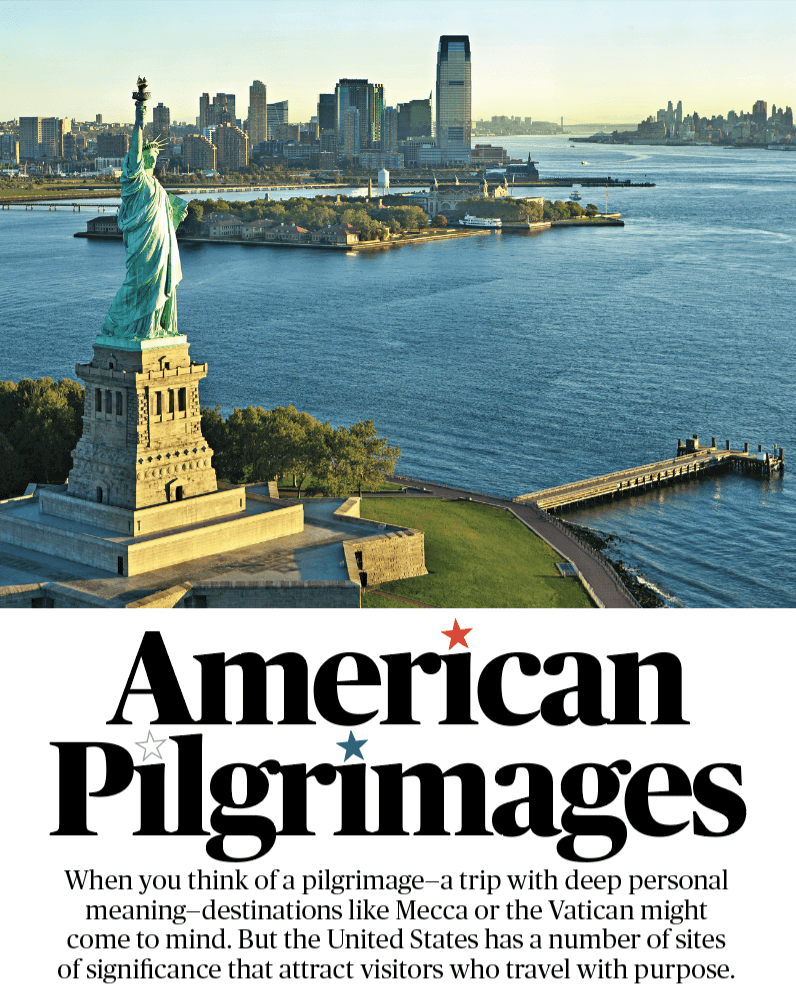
(64, 674)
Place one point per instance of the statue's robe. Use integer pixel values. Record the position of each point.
(146, 304)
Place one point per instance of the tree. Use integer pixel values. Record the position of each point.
(439, 220)
(357, 460)
(41, 424)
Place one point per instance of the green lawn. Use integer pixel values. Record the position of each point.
(477, 557)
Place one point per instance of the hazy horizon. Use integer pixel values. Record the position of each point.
(589, 61)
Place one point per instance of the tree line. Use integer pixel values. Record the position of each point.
(257, 445)
(41, 422)
(373, 223)
(520, 209)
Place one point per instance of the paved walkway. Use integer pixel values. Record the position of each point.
(600, 577)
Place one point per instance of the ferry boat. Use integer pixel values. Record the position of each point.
(474, 220)
(575, 196)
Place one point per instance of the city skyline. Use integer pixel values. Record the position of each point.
(531, 63)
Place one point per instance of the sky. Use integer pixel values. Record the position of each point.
(588, 61)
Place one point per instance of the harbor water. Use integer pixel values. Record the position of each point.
(508, 362)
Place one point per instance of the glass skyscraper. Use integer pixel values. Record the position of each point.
(368, 99)
(454, 98)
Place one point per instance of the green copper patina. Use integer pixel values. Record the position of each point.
(144, 312)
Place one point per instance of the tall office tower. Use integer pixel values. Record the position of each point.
(679, 114)
(29, 138)
(52, 136)
(760, 112)
(389, 131)
(204, 110)
(227, 101)
(277, 115)
(787, 116)
(670, 115)
(222, 110)
(368, 99)
(161, 121)
(414, 118)
(9, 148)
(98, 119)
(375, 112)
(351, 132)
(232, 147)
(454, 98)
(327, 113)
(258, 113)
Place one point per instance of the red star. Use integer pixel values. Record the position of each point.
(456, 635)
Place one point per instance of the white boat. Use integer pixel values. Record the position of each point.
(474, 220)
(585, 163)
(575, 196)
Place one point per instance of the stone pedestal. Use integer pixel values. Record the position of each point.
(142, 441)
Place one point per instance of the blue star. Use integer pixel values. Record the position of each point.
(351, 747)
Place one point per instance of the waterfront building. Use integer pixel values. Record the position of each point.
(277, 115)
(255, 228)
(487, 153)
(104, 225)
(454, 98)
(336, 235)
(229, 226)
(449, 198)
(327, 113)
(258, 113)
(232, 146)
(29, 138)
(414, 119)
(287, 233)
(198, 153)
(161, 121)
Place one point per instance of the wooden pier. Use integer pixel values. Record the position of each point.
(693, 461)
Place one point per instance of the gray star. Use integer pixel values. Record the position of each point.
(151, 746)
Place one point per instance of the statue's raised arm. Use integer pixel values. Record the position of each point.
(145, 307)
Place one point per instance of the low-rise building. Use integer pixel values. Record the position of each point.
(287, 233)
(230, 226)
(256, 228)
(104, 225)
(339, 235)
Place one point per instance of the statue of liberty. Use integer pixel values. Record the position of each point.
(145, 307)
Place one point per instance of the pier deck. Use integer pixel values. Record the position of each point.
(691, 463)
